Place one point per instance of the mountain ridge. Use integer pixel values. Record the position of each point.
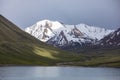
(61, 35)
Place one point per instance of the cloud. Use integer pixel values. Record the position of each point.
(24, 13)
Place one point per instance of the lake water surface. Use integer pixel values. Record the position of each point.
(58, 73)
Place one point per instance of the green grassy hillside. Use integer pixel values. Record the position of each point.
(106, 57)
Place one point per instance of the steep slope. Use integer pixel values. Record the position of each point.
(66, 36)
(18, 47)
(111, 40)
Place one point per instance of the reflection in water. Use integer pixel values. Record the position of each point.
(46, 71)
(58, 73)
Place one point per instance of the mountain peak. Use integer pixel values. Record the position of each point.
(45, 29)
(49, 23)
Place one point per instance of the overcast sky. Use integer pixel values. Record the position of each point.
(101, 13)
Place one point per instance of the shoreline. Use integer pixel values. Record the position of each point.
(14, 65)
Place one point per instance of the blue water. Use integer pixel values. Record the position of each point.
(58, 73)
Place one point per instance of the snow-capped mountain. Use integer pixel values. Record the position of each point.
(61, 35)
(111, 40)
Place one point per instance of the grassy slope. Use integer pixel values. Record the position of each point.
(102, 58)
(19, 48)
(33, 54)
(108, 58)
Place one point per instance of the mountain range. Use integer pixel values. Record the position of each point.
(20, 48)
(72, 37)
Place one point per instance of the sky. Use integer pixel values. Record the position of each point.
(101, 13)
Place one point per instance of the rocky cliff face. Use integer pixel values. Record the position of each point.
(113, 39)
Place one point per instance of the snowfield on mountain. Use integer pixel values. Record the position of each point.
(60, 35)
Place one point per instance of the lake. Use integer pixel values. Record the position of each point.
(58, 73)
